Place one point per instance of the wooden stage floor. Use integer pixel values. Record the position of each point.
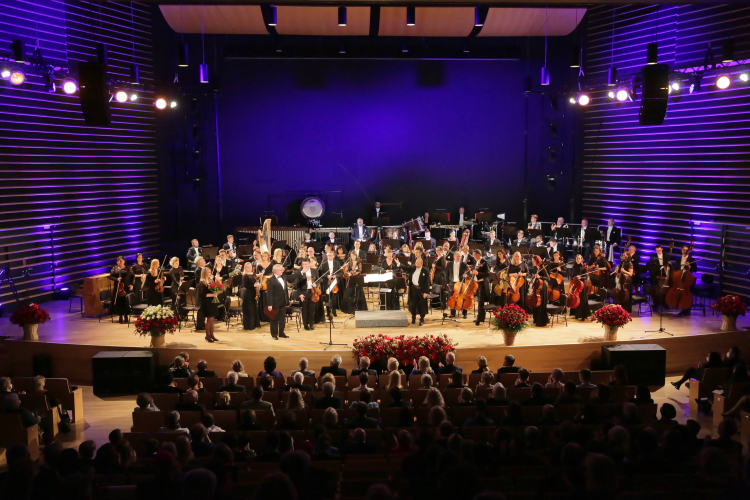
(568, 347)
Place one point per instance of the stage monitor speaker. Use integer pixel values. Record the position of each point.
(645, 363)
(123, 372)
(94, 93)
(654, 95)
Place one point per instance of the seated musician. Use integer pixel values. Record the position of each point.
(554, 230)
(517, 268)
(428, 237)
(452, 235)
(232, 260)
(624, 273)
(519, 241)
(301, 255)
(554, 247)
(556, 265)
(492, 240)
(341, 255)
(372, 249)
(455, 272)
(534, 224)
(357, 249)
(539, 313)
(331, 238)
(539, 241)
(193, 253)
(635, 259)
(599, 260)
(686, 262)
(405, 251)
(307, 238)
(501, 261)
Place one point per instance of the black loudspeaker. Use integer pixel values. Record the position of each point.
(123, 372)
(42, 365)
(645, 363)
(94, 93)
(655, 94)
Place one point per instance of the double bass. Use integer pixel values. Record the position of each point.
(679, 295)
(463, 291)
(662, 281)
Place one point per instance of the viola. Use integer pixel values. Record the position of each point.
(316, 293)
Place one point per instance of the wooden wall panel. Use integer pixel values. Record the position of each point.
(689, 178)
(72, 194)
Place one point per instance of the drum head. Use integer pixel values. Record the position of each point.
(312, 207)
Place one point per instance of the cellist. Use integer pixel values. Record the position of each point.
(517, 268)
(624, 273)
(598, 259)
(121, 275)
(481, 271)
(539, 313)
(455, 271)
(687, 263)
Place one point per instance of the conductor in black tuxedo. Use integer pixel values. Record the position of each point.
(277, 298)
(418, 279)
(360, 231)
(303, 282)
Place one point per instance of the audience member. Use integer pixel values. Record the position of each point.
(392, 366)
(361, 420)
(365, 397)
(450, 366)
(145, 402)
(12, 404)
(434, 398)
(194, 384)
(334, 369)
(331, 419)
(486, 381)
(167, 384)
(232, 385)
(481, 365)
(480, 419)
(179, 369)
(328, 400)
(619, 376)
(523, 378)
(295, 400)
(555, 379)
(115, 437)
(394, 380)
(185, 455)
(538, 398)
(257, 403)
(299, 383)
(465, 397)
(248, 421)
(668, 414)
(585, 377)
(210, 424)
(713, 360)
(303, 369)
(457, 381)
(358, 444)
(363, 380)
(397, 400)
(568, 395)
(269, 368)
(202, 446)
(239, 368)
(602, 396)
(403, 443)
(364, 367)
(499, 396)
(642, 395)
(426, 381)
(223, 402)
(172, 424)
(508, 365)
(190, 403)
(203, 371)
(422, 367)
(276, 486)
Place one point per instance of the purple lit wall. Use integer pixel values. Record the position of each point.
(73, 194)
(689, 178)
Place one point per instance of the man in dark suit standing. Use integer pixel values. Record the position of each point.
(418, 279)
(360, 231)
(277, 299)
(334, 367)
(635, 259)
(481, 272)
(330, 269)
(614, 239)
(377, 212)
(303, 282)
(357, 248)
(193, 253)
(455, 271)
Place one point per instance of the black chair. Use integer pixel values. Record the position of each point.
(704, 291)
(399, 286)
(78, 296)
(106, 297)
(295, 313)
(560, 309)
(644, 299)
(434, 294)
(135, 307)
(186, 308)
(233, 311)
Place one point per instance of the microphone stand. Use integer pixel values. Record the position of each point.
(329, 315)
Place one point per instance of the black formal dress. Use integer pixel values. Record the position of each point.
(354, 295)
(153, 297)
(208, 306)
(482, 275)
(300, 280)
(539, 313)
(250, 314)
(417, 301)
(175, 275)
(137, 270)
(627, 304)
(581, 312)
(120, 304)
(602, 279)
(389, 299)
(266, 272)
(523, 289)
(277, 296)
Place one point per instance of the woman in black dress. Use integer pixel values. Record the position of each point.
(153, 297)
(624, 273)
(389, 299)
(354, 296)
(263, 271)
(340, 255)
(582, 312)
(139, 276)
(539, 313)
(250, 313)
(210, 309)
(599, 260)
(121, 274)
(556, 265)
(301, 255)
(175, 277)
(518, 269)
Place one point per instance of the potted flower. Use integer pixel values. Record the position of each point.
(612, 316)
(29, 317)
(511, 319)
(730, 307)
(155, 322)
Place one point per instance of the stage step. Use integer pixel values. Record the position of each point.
(376, 319)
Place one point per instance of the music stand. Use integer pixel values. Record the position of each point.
(494, 248)
(329, 314)
(426, 244)
(278, 244)
(475, 246)
(208, 253)
(394, 244)
(509, 232)
(485, 217)
(524, 251)
(440, 218)
(533, 233)
(592, 234)
(561, 233)
(317, 246)
(540, 251)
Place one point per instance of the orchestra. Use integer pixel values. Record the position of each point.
(502, 269)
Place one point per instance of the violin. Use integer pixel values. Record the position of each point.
(679, 295)
(160, 279)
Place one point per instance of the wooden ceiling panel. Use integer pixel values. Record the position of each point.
(430, 21)
(322, 21)
(530, 22)
(217, 19)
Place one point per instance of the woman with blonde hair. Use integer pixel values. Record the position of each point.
(393, 366)
(328, 377)
(517, 269)
(153, 278)
(175, 276)
(295, 401)
(394, 380)
(434, 398)
(206, 303)
(481, 364)
(239, 368)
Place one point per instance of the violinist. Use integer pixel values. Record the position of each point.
(456, 270)
(232, 262)
(175, 277)
(389, 299)
(249, 295)
(517, 268)
(582, 312)
(256, 258)
(686, 263)
(139, 275)
(598, 259)
(447, 251)
(304, 280)
(313, 263)
(331, 269)
(354, 296)
(480, 272)
(624, 274)
(153, 297)
(440, 265)
(539, 313)
(301, 255)
(220, 272)
(123, 278)
(418, 280)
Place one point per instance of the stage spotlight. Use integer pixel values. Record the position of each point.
(744, 77)
(121, 96)
(18, 51)
(723, 81)
(17, 76)
(5, 73)
(172, 104)
(49, 83)
(342, 16)
(69, 86)
(133, 97)
(727, 51)
(675, 86)
(160, 103)
(411, 15)
(611, 94)
(572, 100)
(272, 20)
(583, 99)
(652, 50)
(622, 94)
(611, 77)
(480, 15)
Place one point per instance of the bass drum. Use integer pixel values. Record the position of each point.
(313, 207)
(415, 225)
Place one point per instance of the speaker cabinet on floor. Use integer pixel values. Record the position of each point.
(123, 372)
(645, 363)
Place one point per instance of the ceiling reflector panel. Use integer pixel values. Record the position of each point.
(321, 21)
(217, 19)
(430, 21)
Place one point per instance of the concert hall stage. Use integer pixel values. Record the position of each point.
(72, 340)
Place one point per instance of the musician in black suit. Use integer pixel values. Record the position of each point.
(441, 266)
(686, 262)
(658, 265)
(635, 259)
(554, 230)
(330, 268)
(519, 240)
(481, 272)
(303, 282)
(277, 298)
(229, 245)
(193, 253)
(359, 232)
(357, 248)
(428, 237)
(418, 279)
(492, 240)
(613, 236)
(454, 272)
(331, 239)
(377, 212)
(585, 242)
(461, 217)
(554, 247)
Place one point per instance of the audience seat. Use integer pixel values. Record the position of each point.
(71, 399)
(417, 396)
(302, 417)
(212, 384)
(353, 382)
(13, 432)
(207, 399)
(445, 379)
(165, 401)
(148, 421)
(621, 394)
(311, 381)
(385, 396)
(384, 379)
(722, 403)
(237, 398)
(247, 382)
(702, 389)
(307, 397)
(279, 383)
(38, 403)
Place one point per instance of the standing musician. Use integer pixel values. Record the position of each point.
(418, 279)
(278, 257)
(501, 263)
(539, 313)
(139, 276)
(277, 298)
(480, 272)
(613, 238)
(153, 298)
(554, 247)
(303, 282)
(256, 258)
(250, 294)
(687, 262)
(389, 299)
(121, 275)
(200, 317)
(176, 278)
(635, 259)
(307, 239)
(220, 272)
(301, 255)
(624, 273)
(360, 231)
(440, 265)
(353, 296)
(461, 216)
(456, 270)
(447, 251)
(520, 241)
(586, 244)
(582, 312)
(193, 253)
(518, 268)
(229, 245)
(491, 241)
(331, 269)
(378, 212)
(357, 249)
(556, 265)
(432, 241)
(534, 224)
(658, 266)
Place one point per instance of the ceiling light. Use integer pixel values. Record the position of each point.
(611, 94)
(69, 86)
(480, 15)
(5, 73)
(182, 55)
(121, 96)
(675, 85)
(545, 76)
(622, 94)
(583, 99)
(572, 100)
(651, 52)
(204, 73)
(411, 15)
(173, 104)
(611, 77)
(723, 82)
(272, 20)
(342, 16)
(133, 97)
(160, 103)
(17, 76)
(135, 74)
(727, 51)
(744, 77)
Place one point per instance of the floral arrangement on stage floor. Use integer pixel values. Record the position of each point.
(611, 315)
(29, 317)
(216, 287)
(404, 348)
(731, 305)
(511, 320)
(156, 321)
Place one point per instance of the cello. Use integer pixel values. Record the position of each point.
(463, 291)
(679, 295)
(534, 298)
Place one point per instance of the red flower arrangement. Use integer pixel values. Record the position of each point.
(404, 348)
(611, 315)
(511, 318)
(30, 314)
(156, 321)
(216, 287)
(731, 305)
